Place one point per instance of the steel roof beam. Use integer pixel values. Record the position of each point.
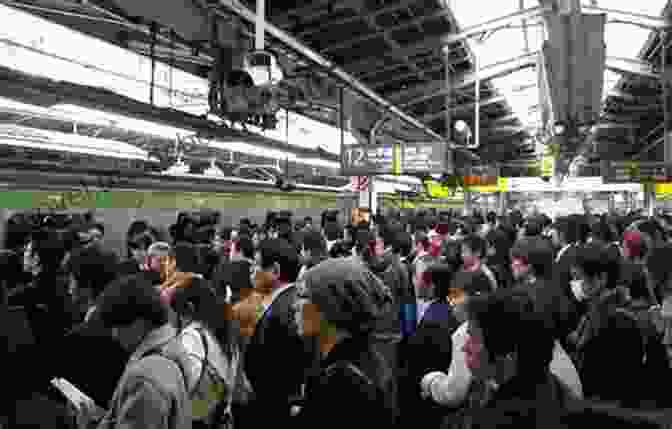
(496, 24)
(638, 19)
(363, 38)
(462, 107)
(393, 44)
(241, 10)
(341, 21)
(631, 66)
(437, 88)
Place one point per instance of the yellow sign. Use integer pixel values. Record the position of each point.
(438, 190)
(501, 186)
(664, 191)
(548, 162)
(396, 160)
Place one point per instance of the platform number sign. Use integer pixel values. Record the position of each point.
(355, 157)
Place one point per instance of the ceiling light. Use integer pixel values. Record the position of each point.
(559, 128)
(461, 126)
(113, 120)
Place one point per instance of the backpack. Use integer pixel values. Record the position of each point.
(208, 394)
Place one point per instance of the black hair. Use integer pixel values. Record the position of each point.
(129, 299)
(245, 246)
(187, 258)
(538, 253)
(201, 303)
(340, 249)
(315, 242)
(279, 251)
(93, 268)
(442, 276)
(511, 324)
(658, 263)
(332, 231)
(402, 243)
(594, 259)
(476, 244)
(472, 282)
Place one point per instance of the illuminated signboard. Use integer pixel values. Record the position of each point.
(394, 158)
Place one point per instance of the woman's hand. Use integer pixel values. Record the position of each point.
(87, 414)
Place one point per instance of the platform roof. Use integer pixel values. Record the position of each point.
(394, 48)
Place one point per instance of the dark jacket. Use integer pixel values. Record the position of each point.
(395, 276)
(551, 302)
(353, 389)
(524, 403)
(429, 349)
(609, 349)
(275, 361)
(236, 275)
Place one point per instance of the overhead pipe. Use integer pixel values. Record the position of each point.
(241, 10)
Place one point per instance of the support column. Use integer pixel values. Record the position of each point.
(501, 203)
(450, 159)
(665, 82)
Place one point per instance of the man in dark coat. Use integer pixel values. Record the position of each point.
(275, 358)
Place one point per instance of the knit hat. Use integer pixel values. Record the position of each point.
(348, 294)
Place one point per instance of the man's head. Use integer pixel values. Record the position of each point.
(161, 258)
(132, 308)
(277, 264)
(532, 256)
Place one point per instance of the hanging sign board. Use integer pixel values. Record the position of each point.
(634, 171)
(368, 160)
(394, 158)
(423, 158)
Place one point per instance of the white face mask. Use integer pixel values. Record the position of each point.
(577, 289)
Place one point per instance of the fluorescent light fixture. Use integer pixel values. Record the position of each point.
(52, 140)
(179, 168)
(112, 120)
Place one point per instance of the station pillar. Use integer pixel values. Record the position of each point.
(368, 198)
(501, 203)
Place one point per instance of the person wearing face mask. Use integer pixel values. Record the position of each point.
(608, 343)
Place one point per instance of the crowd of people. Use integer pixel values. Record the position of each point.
(418, 318)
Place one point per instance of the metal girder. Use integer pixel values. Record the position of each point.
(427, 45)
(431, 117)
(387, 107)
(504, 119)
(63, 12)
(341, 21)
(638, 19)
(615, 125)
(631, 66)
(495, 24)
(437, 88)
(396, 47)
(374, 71)
(363, 38)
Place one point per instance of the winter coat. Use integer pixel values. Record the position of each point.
(354, 388)
(609, 349)
(152, 392)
